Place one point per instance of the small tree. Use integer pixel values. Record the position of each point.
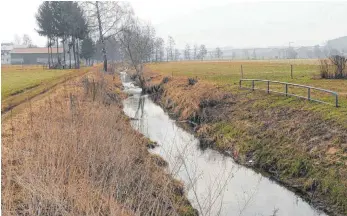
(202, 52)
(171, 47)
(187, 52)
(339, 64)
(106, 18)
(158, 49)
(87, 49)
(136, 40)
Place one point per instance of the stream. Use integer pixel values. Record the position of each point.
(214, 183)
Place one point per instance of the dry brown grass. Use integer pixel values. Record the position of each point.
(75, 153)
(185, 99)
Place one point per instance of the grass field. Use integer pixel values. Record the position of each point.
(230, 72)
(19, 83)
(227, 74)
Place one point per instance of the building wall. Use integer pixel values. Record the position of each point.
(31, 58)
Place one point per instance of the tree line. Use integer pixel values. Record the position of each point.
(88, 28)
(65, 23)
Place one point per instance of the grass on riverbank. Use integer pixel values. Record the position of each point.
(301, 143)
(21, 83)
(74, 152)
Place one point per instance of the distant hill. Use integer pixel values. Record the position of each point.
(338, 43)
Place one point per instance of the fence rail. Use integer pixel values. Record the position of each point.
(285, 92)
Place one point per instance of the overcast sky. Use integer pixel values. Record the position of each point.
(213, 22)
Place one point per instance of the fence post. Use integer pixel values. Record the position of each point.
(268, 86)
(291, 71)
(286, 89)
(252, 85)
(308, 93)
(240, 83)
(336, 100)
(241, 72)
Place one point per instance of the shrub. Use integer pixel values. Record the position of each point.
(192, 81)
(334, 67)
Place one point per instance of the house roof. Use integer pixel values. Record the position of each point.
(35, 50)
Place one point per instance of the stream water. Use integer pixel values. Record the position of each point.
(215, 184)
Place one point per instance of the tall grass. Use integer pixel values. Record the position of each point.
(75, 153)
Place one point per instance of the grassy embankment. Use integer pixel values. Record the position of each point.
(300, 143)
(73, 152)
(20, 83)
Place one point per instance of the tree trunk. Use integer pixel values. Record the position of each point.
(49, 60)
(51, 44)
(58, 58)
(74, 51)
(78, 54)
(101, 36)
(70, 56)
(64, 40)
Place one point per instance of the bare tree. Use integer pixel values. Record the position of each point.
(171, 47)
(167, 53)
(136, 40)
(187, 52)
(340, 64)
(106, 18)
(161, 51)
(158, 49)
(177, 54)
(202, 51)
(195, 51)
(219, 53)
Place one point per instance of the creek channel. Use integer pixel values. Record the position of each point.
(214, 183)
